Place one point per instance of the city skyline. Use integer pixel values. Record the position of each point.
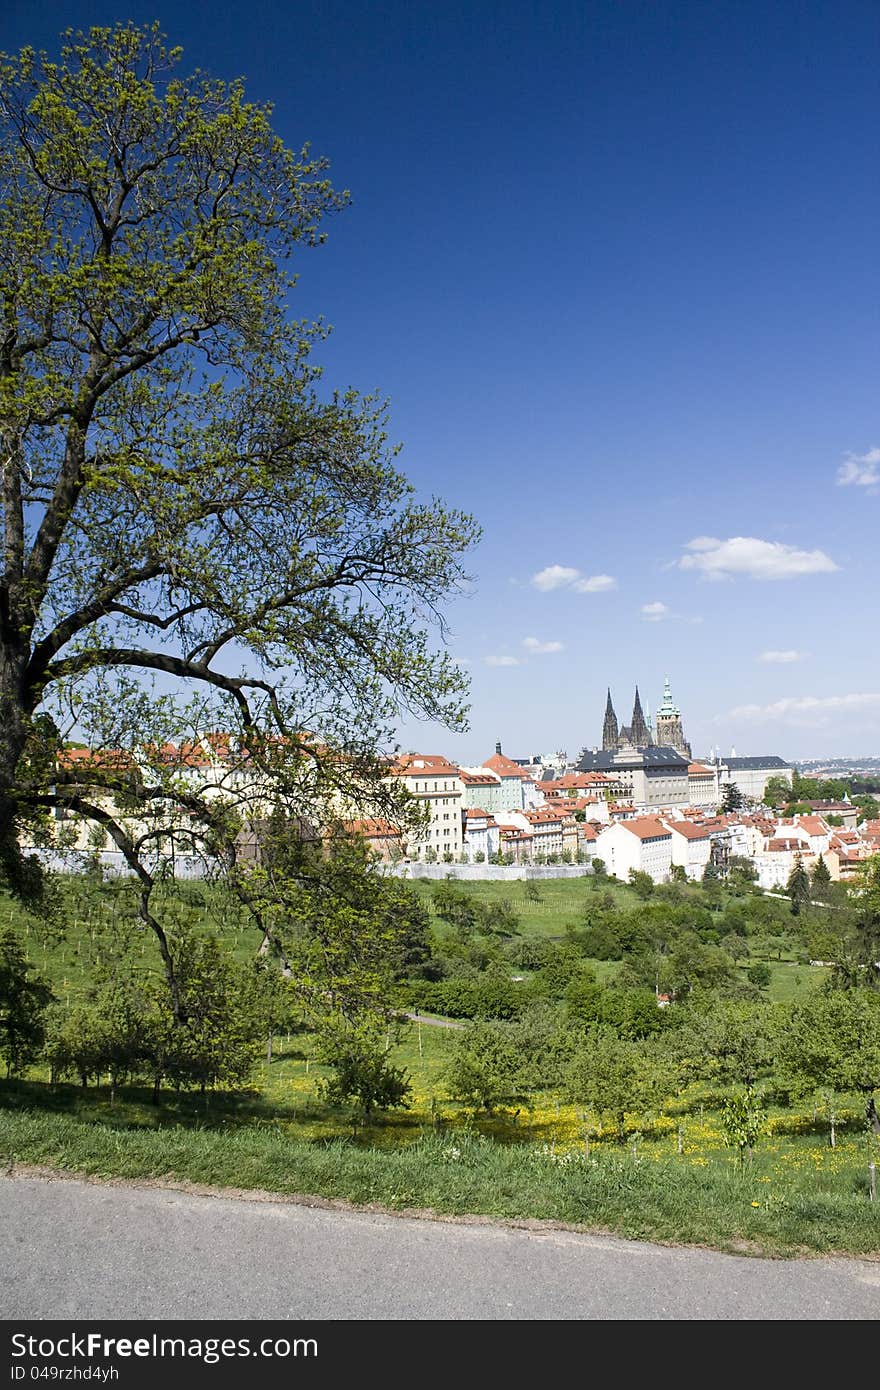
(615, 267)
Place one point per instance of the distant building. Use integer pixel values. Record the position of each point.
(668, 728)
(640, 732)
(433, 781)
(751, 775)
(691, 847)
(643, 844)
(650, 776)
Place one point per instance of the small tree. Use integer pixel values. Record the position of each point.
(820, 877)
(732, 798)
(831, 1044)
(485, 1065)
(24, 998)
(798, 887)
(735, 946)
(363, 1073)
(743, 1120)
(777, 792)
(759, 975)
(613, 1076)
(642, 883)
(732, 1042)
(498, 918)
(457, 906)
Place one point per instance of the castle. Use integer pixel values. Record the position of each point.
(641, 732)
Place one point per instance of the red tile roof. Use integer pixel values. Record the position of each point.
(374, 829)
(687, 829)
(813, 825)
(646, 828)
(505, 767)
(424, 765)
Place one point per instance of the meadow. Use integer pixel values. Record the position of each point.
(675, 1176)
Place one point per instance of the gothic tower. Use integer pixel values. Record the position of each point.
(609, 728)
(669, 726)
(638, 728)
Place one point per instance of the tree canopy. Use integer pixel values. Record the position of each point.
(195, 539)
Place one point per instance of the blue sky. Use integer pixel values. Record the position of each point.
(615, 265)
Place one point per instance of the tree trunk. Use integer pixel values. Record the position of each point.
(13, 735)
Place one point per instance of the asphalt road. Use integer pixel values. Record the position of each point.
(78, 1250)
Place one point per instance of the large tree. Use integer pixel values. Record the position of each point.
(193, 537)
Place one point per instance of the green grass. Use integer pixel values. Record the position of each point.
(459, 1171)
(791, 980)
(561, 900)
(516, 1163)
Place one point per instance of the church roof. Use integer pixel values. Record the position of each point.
(649, 756)
(755, 764)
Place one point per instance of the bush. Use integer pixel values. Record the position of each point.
(759, 975)
(485, 996)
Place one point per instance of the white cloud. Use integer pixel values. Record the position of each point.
(502, 660)
(555, 577)
(781, 658)
(808, 711)
(654, 612)
(596, 584)
(532, 644)
(567, 577)
(717, 559)
(862, 470)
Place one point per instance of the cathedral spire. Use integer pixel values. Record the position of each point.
(609, 728)
(638, 727)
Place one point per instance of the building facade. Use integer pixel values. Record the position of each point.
(434, 782)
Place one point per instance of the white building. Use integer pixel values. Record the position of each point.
(751, 775)
(776, 860)
(691, 847)
(481, 835)
(435, 783)
(643, 843)
(703, 784)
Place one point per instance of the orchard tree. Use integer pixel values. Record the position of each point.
(614, 1077)
(342, 931)
(728, 1041)
(362, 1072)
(193, 538)
(831, 1044)
(24, 998)
(486, 1066)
